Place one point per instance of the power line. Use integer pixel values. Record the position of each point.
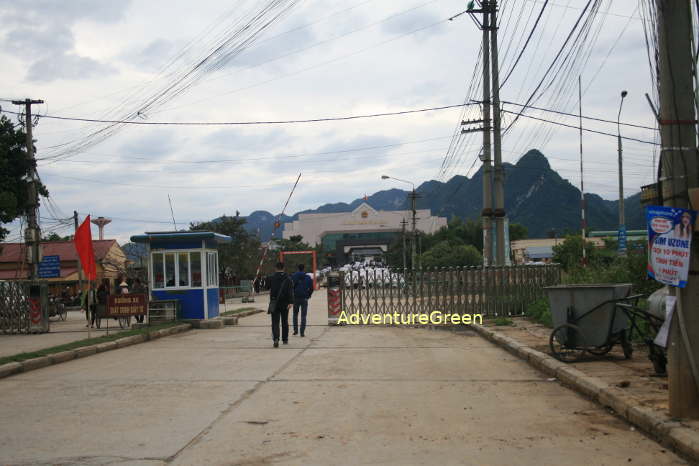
(584, 129)
(602, 120)
(248, 123)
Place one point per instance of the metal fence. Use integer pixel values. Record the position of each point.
(14, 308)
(489, 291)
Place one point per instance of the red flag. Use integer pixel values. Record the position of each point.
(83, 244)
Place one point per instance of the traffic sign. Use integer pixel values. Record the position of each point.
(50, 267)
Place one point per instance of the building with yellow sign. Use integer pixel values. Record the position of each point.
(364, 233)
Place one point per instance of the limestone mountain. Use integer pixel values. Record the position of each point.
(535, 196)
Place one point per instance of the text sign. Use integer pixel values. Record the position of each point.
(669, 244)
(125, 305)
(50, 267)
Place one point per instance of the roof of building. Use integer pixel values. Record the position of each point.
(540, 252)
(15, 252)
(181, 235)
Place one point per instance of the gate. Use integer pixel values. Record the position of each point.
(14, 308)
(20, 310)
(488, 291)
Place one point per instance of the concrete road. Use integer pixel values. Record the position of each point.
(342, 395)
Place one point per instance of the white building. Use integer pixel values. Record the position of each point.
(364, 232)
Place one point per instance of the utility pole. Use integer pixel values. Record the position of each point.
(403, 224)
(622, 218)
(487, 213)
(499, 176)
(583, 219)
(33, 233)
(679, 173)
(413, 199)
(81, 278)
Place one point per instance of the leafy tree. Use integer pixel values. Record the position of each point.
(15, 169)
(518, 231)
(445, 254)
(569, 252)
(240, 257)
(53, 236)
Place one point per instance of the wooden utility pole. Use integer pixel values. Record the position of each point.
(403, 223)
(499, 175)
(679, 174)
(32, 233)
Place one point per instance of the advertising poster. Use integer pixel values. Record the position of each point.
(669, 244)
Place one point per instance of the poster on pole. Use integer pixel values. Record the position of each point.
(669, 244)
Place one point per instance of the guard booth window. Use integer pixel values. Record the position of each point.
(183, 269)
(170, 271)
(178, 269)
(195, 258)
(212, 269)
(158, 273)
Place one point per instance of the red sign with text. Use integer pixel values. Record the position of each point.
(125, 305)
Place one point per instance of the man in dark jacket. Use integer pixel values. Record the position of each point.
(303, 289)
(282, 291)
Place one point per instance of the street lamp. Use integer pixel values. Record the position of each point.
(622, 220)
(413, 198)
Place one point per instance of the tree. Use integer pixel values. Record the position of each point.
(444, 254)
(518, 231)
(240, 257)
(15, 169)
(53, 236)
(569, 252)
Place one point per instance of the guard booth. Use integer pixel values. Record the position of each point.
(183, 266)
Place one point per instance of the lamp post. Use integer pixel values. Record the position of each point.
(413, 198)
(622, 221)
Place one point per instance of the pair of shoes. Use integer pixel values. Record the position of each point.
(302, 335)
(295, 332)
(286, 342)
(276, 343)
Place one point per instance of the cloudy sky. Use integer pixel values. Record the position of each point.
(104, 59)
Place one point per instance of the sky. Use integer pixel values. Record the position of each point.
(100, 59)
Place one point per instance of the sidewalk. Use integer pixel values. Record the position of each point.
(74, 329)
(627, 387)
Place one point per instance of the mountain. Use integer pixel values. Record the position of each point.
(535, 196)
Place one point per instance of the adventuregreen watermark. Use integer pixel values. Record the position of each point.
(433, 318)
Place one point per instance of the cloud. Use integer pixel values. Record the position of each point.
(41, 33)
(67, 66)
(152, 56)
(411, 21)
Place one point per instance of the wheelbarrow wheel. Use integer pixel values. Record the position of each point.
(626, 345)
(567, 343)
(600, 350)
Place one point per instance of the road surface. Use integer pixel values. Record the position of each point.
(341, 395)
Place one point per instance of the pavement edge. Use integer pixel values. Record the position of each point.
(27, 365)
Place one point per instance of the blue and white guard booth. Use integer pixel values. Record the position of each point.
(184, 266)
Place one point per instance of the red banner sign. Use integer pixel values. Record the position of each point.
(124, 305)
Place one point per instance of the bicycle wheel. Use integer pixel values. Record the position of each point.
(567, 343)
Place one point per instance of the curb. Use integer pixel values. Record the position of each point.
(668, 432)
(27, 365)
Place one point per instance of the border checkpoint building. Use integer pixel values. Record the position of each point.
(364, 233)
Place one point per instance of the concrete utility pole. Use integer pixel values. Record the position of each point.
(32, 233)
(499, 177)
(583, 217)
(413, 200)
(622, 218)
(403, 224)
(679, 173)
(487, 212)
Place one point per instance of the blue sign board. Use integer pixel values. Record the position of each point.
(670, 232)
(622, 238)
(50, 267)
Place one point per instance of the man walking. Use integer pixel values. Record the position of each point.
(281, 296)
(303, 289)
